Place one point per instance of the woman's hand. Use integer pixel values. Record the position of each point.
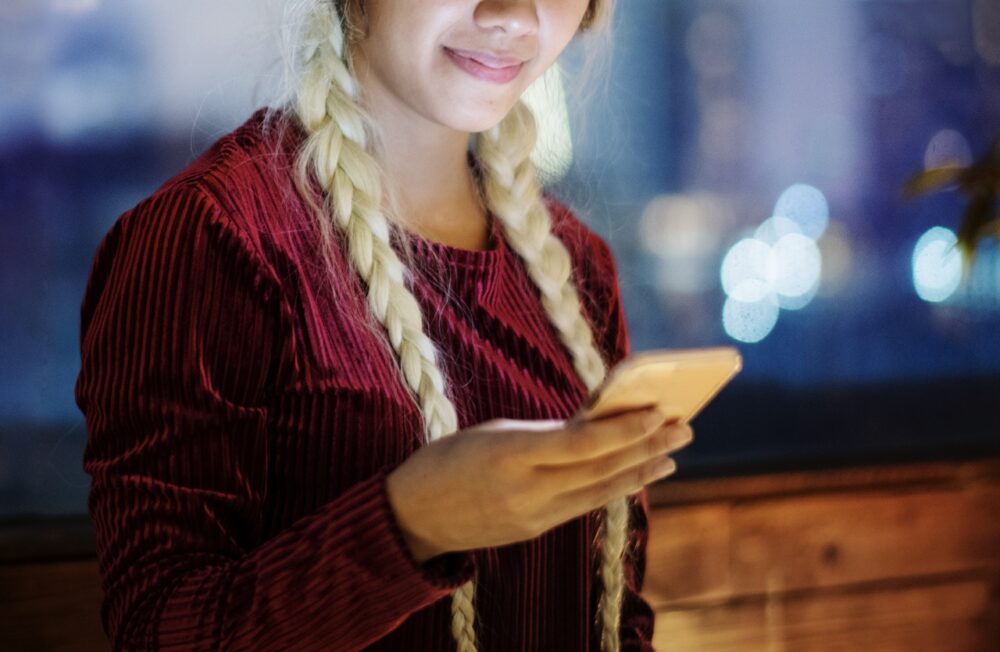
(504, 481)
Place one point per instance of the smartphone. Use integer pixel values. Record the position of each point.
(678, 382)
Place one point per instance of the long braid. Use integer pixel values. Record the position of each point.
(513, 193)
(336, 151)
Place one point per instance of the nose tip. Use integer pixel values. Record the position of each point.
(514, 17)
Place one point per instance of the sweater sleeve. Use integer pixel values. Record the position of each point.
(182, 330)
(637, 615)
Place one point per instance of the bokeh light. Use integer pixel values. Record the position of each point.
(747, 271)
(684, 232)
(780, 267)
(795, 270)
(937, 265)
(806, 206)
(680, 225)
(837, 257)
(786, 274)
(774, 228)
(947, 148)
(749, 321)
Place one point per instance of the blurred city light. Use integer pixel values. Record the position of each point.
(780, 267)
(685, 233)
(937, 265)
(806, 206)
(795, 270)
(947, 148)
(747, 271)
(836, 256)
(749, 321)
(776, 227)
(787, 272)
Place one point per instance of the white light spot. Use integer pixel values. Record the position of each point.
(937, 265)
(745, 271)
(684, 231)
(774, 228)
(681, 225)
(749, 322)
(947, 148)
(806, 206)
(797, 302)
(796, 266)
(788, 273)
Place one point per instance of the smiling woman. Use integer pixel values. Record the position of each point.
(352, 344)
(454, 68)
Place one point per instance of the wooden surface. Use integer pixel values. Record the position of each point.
(891, 558)
(886, 558)
(51, 606)
(932, 616)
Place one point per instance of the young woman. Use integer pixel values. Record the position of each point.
(329, 370)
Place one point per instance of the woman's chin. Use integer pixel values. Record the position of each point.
(479, 121)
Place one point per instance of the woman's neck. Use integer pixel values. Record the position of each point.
(427, 171)
(436, 191)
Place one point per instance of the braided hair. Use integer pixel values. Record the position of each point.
(338, 154)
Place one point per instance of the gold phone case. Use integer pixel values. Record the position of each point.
(679, 382)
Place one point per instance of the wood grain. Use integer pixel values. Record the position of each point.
(955, 616)
(51, 607)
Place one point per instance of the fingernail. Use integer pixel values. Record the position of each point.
(664, 467)
(680, 437)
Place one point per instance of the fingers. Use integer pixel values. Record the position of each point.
(665, 440)
(580, 441)
(580, 501)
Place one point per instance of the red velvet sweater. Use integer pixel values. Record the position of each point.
(241, 425)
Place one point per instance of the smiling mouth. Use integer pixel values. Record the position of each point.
(486, 67)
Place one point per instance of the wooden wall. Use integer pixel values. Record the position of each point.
(885, 558)
(889, 558)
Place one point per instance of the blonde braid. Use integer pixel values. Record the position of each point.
(512, 192)
(337, 153)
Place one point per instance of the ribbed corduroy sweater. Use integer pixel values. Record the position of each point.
(241, 424)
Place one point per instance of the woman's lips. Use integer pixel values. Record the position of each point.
(484, 66)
